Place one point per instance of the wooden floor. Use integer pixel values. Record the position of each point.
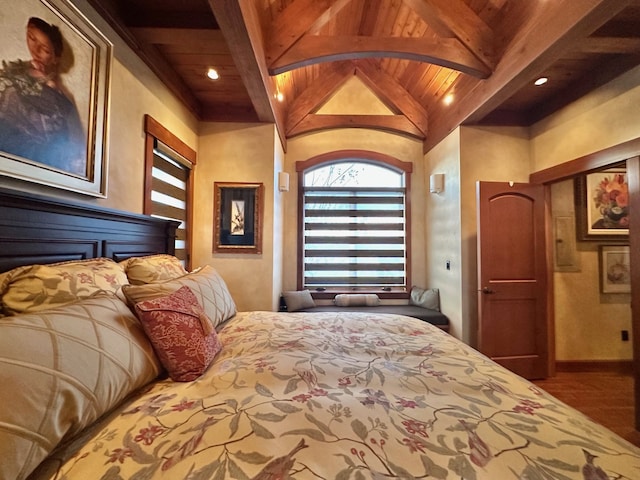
(606, 397)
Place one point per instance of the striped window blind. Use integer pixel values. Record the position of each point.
(169, 192)
(355, 236)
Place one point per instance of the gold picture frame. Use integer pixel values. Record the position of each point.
(54, 114)
(238, 217)
(602, 209)
(615, 269)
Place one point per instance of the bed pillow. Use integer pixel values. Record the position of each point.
(206, 284)
(153, 269)
(61, 369)
(297, 300)
(425, 298)
(181, 333)
(39, 287)
(356, 300)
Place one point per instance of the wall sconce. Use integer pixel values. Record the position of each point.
(283, 181)
(436, 183)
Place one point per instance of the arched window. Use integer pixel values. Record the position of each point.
(354, 223)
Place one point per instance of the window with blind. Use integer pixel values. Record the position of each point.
(169, 167)
(170, 179)
(354, 226)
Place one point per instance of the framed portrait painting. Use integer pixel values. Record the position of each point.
(54, 87)
(238, 217)
(615, 269)
(602, 205)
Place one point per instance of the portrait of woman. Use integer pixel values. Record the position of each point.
(38, 119)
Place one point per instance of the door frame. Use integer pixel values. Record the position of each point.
(629, 151)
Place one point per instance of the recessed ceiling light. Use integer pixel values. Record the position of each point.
(279, 96)
(541, 81)
(448, 99)
(213, 74)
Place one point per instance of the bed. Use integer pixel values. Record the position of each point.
(267, 395)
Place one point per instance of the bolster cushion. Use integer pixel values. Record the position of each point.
(356, 300)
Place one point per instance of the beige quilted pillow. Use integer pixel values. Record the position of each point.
(60, 370)
(153, 269)
(39, 287)
(207, 285)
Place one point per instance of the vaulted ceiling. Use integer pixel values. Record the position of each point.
(412, 54)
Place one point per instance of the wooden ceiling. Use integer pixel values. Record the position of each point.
(409, 53)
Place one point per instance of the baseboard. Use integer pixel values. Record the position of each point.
(617, 366)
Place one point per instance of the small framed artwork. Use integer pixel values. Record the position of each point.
(615, 272)
(602, 205)
(54, 86)
(238, 217)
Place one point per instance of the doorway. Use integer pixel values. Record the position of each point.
(592, 317)
(630, 152)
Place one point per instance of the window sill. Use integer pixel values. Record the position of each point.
(329, 294)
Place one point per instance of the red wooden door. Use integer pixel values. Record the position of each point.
(512, 290)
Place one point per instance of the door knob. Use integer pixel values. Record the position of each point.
(488, 291)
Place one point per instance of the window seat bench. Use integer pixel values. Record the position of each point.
(432, 316)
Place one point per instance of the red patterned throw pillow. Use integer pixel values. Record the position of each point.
(181, 333)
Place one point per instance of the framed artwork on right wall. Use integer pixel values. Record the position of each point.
(615, 269)
(602, 205)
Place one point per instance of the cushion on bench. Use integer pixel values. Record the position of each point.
(424, 314)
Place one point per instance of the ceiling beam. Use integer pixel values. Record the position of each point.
(457, 17)
(389, 123)
(240, 26)
(610, 45)
(297, 19)
(392, 94)
(316, 94)
(446, 52)
(551, 31)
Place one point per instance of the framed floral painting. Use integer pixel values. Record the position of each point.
(602, 205)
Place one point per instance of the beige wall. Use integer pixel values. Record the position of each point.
(607, 117)
(444, 233)
(468, 155)
(250, 152)
(278, 224)
(238, 153)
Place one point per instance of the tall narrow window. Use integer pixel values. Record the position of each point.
(168, 183)
(354, 220)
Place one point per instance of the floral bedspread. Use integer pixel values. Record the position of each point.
(347, 396)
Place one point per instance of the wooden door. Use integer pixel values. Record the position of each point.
(512, 290)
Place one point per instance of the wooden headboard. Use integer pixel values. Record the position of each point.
(38, 229)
